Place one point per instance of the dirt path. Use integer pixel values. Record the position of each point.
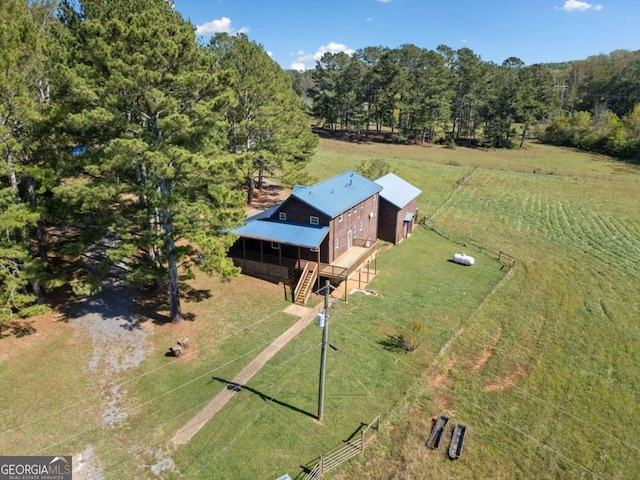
(189, 430)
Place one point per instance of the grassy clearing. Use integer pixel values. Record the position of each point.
(546, 371)
(540, 363)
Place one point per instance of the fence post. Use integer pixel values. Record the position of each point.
(362, 442)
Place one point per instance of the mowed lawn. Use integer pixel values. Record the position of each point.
(541, 363)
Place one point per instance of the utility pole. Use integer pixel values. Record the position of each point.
(562, 88)
(323, 358)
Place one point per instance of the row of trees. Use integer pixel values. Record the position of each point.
(445, 94)
(602, 132)
(425, 94)
(602, 93)
(118, 128)
(601, 82)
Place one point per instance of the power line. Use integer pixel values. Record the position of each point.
(516, 429)
(263, 372)
(229, 444)
(153, 399)
(525, 391)
(121, 384)
(524, 434)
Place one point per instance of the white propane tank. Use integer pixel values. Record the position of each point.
(463, 259)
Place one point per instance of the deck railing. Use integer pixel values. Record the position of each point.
(301, 281)
(325, 269)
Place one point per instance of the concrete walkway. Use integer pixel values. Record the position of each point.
(307, 315)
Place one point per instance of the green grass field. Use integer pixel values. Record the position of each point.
(540, 363)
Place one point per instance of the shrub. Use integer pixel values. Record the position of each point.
(412, 335)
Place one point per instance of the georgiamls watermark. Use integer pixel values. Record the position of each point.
(35, 468)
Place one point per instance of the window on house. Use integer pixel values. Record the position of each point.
(361, 225)
(349, 213)
(336, 244)
(313, 220)
(283, 216)
(340, 218)
(275, 246)
(314, 250)
(355, 210)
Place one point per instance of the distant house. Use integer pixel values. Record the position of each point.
(326, 230)
(397, 209)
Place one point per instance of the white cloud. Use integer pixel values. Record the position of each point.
(219, 26)
(384, 1)
(368, 19)
(298, 66)
(578, 5)
(332, 47)
(270, 54)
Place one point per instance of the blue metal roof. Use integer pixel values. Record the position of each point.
(308, 236)
(337, 194)
(264, 215)
(397, 191)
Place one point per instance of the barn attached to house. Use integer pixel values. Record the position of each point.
(397, 210)
(326, 230)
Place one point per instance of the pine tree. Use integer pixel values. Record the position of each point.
(268, 128)
(155, 175)
(23, 104)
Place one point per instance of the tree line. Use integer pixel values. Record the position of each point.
(600, 99)
(126, 142)
(447, 95)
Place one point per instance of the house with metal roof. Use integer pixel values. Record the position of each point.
(326, 230)
(397, 209)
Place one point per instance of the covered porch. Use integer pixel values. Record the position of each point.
(303, 272)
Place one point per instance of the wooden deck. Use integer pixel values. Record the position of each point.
(351, 256)
(350, 261)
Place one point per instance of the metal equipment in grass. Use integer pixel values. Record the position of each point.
(457, 440)
(349, 449)
(509, 260)
(437, 431)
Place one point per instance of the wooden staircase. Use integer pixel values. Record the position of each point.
(305, 284)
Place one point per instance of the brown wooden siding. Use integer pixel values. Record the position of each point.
(299, 212)
(361, 220)
(391, 224)
(352, 219)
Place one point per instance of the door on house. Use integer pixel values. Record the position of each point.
(349, 239)
(405, 229)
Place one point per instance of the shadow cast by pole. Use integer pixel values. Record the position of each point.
(267, 398)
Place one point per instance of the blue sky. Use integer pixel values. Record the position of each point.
(297, 32)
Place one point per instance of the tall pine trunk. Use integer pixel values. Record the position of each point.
(174, 291)
(42, 246)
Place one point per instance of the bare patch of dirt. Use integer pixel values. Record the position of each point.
(437, 380)
(508, 381)
(268, 197)
(440, 382)
(487, 352)
(43, 324)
